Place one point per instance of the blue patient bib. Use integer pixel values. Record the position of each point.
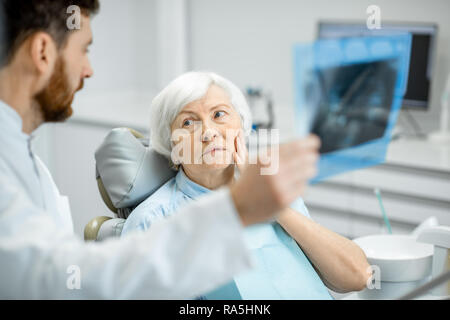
(282, 270)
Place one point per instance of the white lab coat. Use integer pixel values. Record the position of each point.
(181, 257)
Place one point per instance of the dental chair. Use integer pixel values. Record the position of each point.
(127, 171)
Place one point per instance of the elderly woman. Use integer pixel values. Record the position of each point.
(199, 122)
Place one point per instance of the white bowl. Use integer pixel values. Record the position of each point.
(400, 257)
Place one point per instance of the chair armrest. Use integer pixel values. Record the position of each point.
(92, 228)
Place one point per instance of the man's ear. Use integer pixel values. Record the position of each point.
(43, 53)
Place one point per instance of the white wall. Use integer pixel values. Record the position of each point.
(123, 54)
(250, 41)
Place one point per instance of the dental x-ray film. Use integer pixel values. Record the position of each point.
(348, 92)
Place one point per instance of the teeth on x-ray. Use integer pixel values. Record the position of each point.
(354, 103)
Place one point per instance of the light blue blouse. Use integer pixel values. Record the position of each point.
(282, 269)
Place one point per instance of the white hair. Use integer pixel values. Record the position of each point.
(183, 90)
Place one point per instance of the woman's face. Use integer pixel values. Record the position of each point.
(204, 132)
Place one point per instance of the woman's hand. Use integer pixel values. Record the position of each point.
(241, 153)
(259, 197)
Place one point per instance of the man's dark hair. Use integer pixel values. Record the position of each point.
(19, 19)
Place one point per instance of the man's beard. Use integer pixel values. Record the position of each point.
(55, 100)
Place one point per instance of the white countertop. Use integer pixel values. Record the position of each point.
(419, 153)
